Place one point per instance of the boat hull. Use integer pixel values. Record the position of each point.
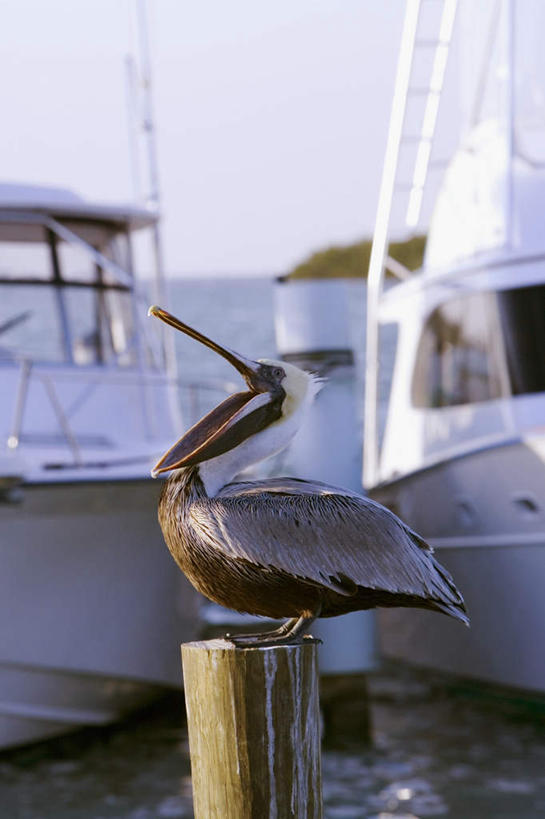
(92, 607)
(485, 514)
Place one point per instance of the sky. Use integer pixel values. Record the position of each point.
(271, 118)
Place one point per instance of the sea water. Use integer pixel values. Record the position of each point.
(437, 751)
(239, 313)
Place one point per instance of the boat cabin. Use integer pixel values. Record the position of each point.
(67, 282)
(469, 370)
(75, 344)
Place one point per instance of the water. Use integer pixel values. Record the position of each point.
(235, 312)
(436, 752)
(239, 314)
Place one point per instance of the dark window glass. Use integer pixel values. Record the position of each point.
(388, 339)
(459, 355)
(522, 313)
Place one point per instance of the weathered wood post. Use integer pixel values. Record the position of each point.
(254, 730)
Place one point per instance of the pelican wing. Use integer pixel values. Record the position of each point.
(325, 535)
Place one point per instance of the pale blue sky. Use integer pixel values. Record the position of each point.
(271, 117)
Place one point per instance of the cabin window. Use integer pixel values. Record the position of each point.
(466, 343)
(118, 318)
(30, 325)
(26, 259)
(522, 314)
(86, 338)
(57, 305)
(75, 262)
(459, 358)
(101, 327)
(388, 339)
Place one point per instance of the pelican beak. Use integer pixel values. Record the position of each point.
(235, 419)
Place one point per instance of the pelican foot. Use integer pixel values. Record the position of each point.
(266, 641)
(281, 631)
(248, 638)
(290, 633)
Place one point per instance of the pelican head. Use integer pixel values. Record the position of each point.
(255, 423)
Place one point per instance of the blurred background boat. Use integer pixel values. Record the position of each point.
(460, 452)
(92, 608)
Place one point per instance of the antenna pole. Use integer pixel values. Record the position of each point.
(509, 116)
(148, 125)
(151, 195)
(132, 119)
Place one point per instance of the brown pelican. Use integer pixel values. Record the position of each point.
(281, 547)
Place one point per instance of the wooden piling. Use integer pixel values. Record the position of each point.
(254, 730)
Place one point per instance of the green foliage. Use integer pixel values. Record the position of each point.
(352, 261)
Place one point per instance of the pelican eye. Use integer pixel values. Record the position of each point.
(278, 372)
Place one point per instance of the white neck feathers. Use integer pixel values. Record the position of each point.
(301, 389)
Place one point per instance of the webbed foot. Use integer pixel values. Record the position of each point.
(265, 641)
(290, 633)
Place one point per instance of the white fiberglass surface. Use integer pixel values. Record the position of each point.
(470, 219)
(64, 420)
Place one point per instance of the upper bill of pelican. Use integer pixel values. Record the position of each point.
(235, 419)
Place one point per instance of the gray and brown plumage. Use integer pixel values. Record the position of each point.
(282, 547)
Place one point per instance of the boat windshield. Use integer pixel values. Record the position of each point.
(57, 303)
(469, 342)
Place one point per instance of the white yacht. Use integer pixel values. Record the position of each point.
(461, 456)
(92, 606)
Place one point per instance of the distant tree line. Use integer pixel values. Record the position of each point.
(352, 261)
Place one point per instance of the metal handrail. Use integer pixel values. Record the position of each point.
(27, 370)
(20, 403)
(62, 419)
(380, 260)
(14, 437)
(380, 240)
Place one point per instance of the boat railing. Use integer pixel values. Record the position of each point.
(419, 136)
(190, 393)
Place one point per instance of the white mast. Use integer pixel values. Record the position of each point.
(142, 130)
(509, 28)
